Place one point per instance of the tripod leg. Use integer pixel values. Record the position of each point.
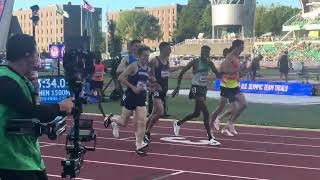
(107, 85)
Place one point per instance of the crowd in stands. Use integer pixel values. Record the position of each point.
(302, 51)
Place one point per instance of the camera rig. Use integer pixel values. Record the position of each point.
(78, 70)
(33, 127)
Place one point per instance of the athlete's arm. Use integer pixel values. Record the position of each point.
(123, 64)
(123, 78)
(214, 69)
(184, 70)
(153, 65)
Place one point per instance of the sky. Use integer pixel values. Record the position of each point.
(116, 5)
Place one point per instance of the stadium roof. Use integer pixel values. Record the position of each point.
(309, 6)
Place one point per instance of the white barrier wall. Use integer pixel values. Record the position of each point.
(6, 7)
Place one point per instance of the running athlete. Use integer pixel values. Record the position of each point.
(215, 120)
(159, 72)
(132, 56)
(198, 90)
(135, 77)
(230, 87)
(133, 47)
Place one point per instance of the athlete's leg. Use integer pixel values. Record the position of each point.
(215, 121)
(117, 121)
(157, 112)
(204, 109)
(239, 106)
(140, 123)
(196, 113)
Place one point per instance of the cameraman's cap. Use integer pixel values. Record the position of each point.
(20, 46)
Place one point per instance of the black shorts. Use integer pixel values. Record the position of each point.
(96, 84)
(159, 95)
(197, 91)
(131, 100)
(230, 93)
(22, 175)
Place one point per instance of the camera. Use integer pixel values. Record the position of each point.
(33, 127)
(79, 69)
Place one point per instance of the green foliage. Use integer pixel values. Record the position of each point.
(138, 25)
(271, 18)
(193, 19)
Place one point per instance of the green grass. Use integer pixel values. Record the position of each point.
(256, 114)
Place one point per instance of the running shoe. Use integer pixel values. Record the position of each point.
(232, 129)
(214, 142)
(107, 121)
(176, 128)
(115, 129)
(147, 138)
(226, 132)
(141, 151)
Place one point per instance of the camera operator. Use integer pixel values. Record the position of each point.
(20, 156)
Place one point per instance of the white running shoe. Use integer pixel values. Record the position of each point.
(115, 130)
(217, 123)
(144, 145)
(232, 129)
(176, 128)
(214, 142)
(226, 132)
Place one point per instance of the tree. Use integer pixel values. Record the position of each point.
(189, 19)
(138, 25)
(271, 18)
(205, 25)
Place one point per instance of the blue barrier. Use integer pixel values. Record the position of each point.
(270, 87)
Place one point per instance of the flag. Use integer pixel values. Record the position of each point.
(62, 12)
(88, 6)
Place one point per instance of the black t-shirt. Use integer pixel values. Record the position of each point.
(284, 62)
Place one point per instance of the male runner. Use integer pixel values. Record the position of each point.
(230, 87)
(135, 77)
(198, 90)
(159, 72)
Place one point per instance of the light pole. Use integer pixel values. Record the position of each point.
(35, 19)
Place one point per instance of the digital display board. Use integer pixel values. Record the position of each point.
(53, 89)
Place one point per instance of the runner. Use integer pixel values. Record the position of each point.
(198, 90)
(135, 77)
(133, 47)
(216, 119)
(159, 72)
(132, 56)
(230, 87)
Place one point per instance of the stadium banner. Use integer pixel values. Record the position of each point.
(270, 87)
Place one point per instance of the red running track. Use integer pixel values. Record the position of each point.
(256, 153)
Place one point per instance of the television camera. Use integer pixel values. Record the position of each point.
(78, 65)
(33, 127)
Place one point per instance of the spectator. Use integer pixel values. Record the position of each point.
(283, 65)
(255, 66)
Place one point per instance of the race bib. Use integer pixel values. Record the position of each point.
(142, 85)
(165, 74)
(203, 78)
(98, 74)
